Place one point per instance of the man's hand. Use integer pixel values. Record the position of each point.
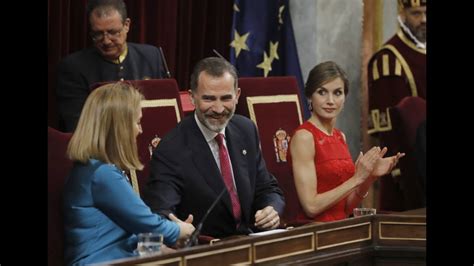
(267, 218)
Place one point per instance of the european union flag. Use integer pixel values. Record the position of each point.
(263, 43)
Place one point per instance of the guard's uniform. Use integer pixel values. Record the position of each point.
(396, 71)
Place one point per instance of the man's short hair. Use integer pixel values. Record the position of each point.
(214, 66)
(104, 6)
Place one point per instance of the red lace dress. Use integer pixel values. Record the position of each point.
(334, 166)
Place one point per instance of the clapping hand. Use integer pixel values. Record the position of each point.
(384, 166)
(365, 163)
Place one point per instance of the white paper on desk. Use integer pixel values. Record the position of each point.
(269, 232)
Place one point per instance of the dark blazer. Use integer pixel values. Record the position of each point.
(185, 178)
(78, 71)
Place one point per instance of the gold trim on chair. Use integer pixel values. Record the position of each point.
(251, 100)
(163, 103)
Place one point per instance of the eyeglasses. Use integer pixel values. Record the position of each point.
(99, 35)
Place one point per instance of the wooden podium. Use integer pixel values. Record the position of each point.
(382, 239)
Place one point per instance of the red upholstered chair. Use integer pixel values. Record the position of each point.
(188, 106)
(58, 168)
(404, 193)
(273, 103)
(161, 112)
(411, 111)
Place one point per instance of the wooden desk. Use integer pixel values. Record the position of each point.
(383, 239)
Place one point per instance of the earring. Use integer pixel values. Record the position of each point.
(310, 106)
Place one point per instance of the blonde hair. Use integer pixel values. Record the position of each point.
(105, 130)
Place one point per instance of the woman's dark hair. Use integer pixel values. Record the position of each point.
(322, 74)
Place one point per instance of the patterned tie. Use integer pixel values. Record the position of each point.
(227, 176)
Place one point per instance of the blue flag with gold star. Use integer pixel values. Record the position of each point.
(263, 43)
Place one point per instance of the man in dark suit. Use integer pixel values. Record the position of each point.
(189, 169)
(111, 58)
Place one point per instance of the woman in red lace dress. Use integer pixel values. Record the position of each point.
(328, 183)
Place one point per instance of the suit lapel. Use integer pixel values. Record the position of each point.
(205, 163)
(238, 152)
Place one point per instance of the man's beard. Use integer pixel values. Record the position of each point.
(217, 127)
(419, 32)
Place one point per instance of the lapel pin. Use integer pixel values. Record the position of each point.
(244, 152)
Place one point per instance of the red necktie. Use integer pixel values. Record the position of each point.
(226, 172)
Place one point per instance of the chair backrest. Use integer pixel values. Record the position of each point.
(161, 110)
(188, 106)
(273, 104)
(58, 168)
(409, 112)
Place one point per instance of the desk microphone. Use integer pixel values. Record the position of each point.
(193, 239)
(218, 54)
(168, 73)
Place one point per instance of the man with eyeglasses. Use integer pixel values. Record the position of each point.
(112, 58)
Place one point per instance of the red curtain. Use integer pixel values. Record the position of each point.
(186, 30)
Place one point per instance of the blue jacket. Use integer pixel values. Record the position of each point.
(102, 215)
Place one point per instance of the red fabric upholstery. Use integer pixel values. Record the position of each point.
(411, 111)
(188, 107)
(58, 168)
(280, 109)
(404, 192)
(161, 111)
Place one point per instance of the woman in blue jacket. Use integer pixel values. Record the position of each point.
(102, 213)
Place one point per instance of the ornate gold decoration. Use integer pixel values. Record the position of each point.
(381, 121)
(281, 141)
